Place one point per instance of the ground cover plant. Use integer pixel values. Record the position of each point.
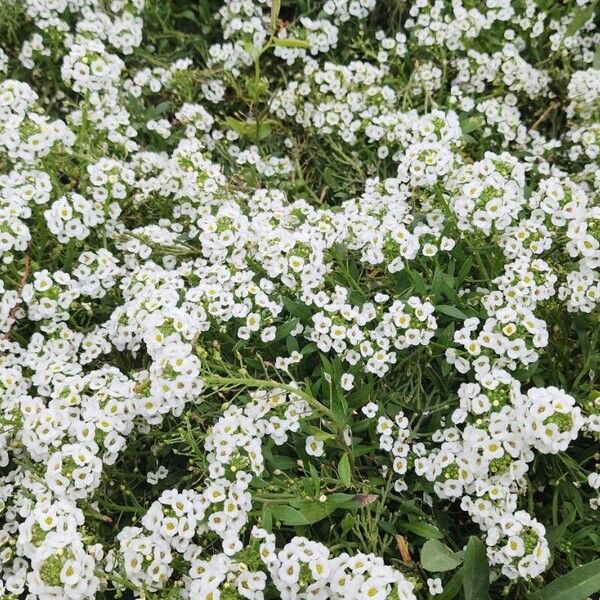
(299, 299)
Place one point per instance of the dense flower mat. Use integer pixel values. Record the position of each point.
(299, 299)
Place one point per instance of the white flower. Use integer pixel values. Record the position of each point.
(347, 381)
(314, 446)
(435, 586)
(370, 409)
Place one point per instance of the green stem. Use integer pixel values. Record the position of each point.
(262, 384)
(116, 579)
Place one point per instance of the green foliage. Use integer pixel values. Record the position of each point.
(436, 557)
(476, 571)
(579, 584)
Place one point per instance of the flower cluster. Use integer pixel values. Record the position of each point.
(306, 567)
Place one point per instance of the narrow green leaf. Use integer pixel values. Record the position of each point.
(470, 124)
(418, 282)
(555, 534)
(309, 349)
(350, 501)
(580, 18)
(451, 311)
(426, 530)
(476, 571)
(453, 587)
(464, 270)
(437, 557)
(579, 584)
(297, 309)
(188, 14)
(291, 343)
(275, 8)
(288, 515)
(305, 513)
(569, 492)
(330, 177)
(315, 480)
(348, 523)
(286, 43)
(318, 433)
(436, 285)
(314, 511)
(344, 471)
(596, 63)
(264, 131)
(360, 396)
(283, 462)
(341, 499)
(267, 519)
(286, 328)
(242, 128)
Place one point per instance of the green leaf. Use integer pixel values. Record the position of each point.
(267, 518)
(286, 328)
(596, 63)
(297, 309)
(361, 395)
(437, 283)
(569, 492)
(288, 515)
(282, 462)
(470, 124)
(452, 588)
(464, 270)
(315, 480)
(242, 128)
(306, 513)
(476, 571)
(330, 177)
(264, 131)
(205, 11)
(555, 534)
(426, 530)
(580, 18)
(318, 433)
(158, 110)
(286, 43)
(350, 501)
(291, 343)
(418, 282)
(437, 557)
(578, 584)
(348, 523)
(451, 311)
(344, 471)
(309, 349)
(275, 8)
(188, 14)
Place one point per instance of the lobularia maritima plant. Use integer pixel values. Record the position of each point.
(299, 299)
